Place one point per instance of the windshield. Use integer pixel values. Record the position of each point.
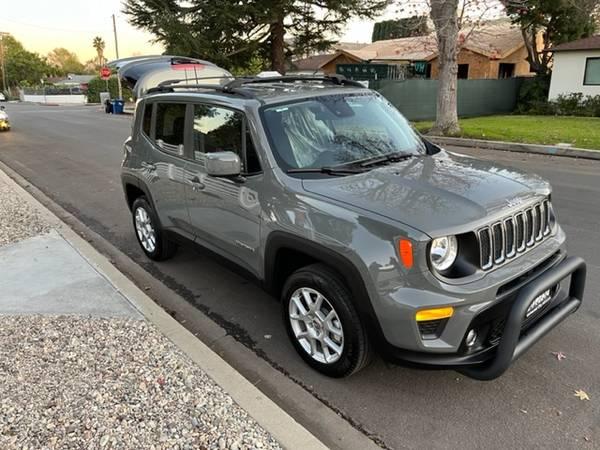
(338, 129)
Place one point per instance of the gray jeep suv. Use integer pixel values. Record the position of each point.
(372, 237)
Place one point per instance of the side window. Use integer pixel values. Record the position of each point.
(170, 125)
(147, 119)
(220, 129)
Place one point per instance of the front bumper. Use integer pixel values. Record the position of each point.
(492, 361)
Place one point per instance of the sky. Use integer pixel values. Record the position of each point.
(43, 25)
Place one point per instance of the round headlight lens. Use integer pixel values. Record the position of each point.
(443, 252)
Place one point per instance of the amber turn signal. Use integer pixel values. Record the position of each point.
(434, 314)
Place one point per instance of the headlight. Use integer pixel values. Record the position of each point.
(443, 252)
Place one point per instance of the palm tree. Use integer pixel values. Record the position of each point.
(99, 45)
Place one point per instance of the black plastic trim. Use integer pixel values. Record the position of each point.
(513, 344)
(278, 240)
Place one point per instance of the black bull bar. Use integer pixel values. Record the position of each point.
(514, 342)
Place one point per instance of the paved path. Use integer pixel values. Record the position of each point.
(73, 156)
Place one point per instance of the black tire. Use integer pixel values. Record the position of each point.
(356, 353)
(164, 248)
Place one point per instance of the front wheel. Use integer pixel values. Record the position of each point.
(149, 233)
(322, 322)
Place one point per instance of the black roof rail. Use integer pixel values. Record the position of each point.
(339, 80)
(236, 84)
(214, 87)
(175, 82)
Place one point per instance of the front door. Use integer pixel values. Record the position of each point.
(224, 212)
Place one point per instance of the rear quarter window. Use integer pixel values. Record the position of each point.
(169, 126)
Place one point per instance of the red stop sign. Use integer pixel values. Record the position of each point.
(105, 73)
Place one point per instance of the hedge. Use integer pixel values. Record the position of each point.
(97, 85)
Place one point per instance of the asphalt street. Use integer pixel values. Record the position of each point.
(73, 155)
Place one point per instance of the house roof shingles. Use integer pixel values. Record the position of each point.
(589, 43)
(495, 39)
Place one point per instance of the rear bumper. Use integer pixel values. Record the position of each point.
(493, 361)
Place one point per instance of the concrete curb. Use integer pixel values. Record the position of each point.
(549, 150)
(289, 433)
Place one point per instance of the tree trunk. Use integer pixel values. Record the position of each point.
(278, 44)
(444, 17)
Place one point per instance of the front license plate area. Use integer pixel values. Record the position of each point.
(539, 303)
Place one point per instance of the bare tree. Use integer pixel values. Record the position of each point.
(454, 22)
(444, 14)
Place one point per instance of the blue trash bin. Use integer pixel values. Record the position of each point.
(118, 106)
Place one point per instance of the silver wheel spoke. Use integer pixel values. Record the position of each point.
(337, 349)
(317, 304)
(299, 306)
(307, 299)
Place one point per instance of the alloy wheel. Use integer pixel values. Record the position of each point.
(145, 230)
(316, 325)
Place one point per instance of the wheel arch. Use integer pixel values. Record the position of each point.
(281, 244)
(133, 188)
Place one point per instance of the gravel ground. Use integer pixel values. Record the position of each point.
(73, 382)
(18, 220)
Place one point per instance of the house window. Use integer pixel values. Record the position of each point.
(463, 71)
(506, 70)
(592, 72)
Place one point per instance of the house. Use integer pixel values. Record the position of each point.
(576, 67)
(493, 50)
(322, 64)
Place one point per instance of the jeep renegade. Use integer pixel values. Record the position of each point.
(372, 237)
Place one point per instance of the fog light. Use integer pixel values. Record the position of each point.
(471, 338)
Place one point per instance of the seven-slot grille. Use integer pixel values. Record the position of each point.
(504, 239)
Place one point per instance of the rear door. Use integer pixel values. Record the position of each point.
(163, 163)
(224, 212)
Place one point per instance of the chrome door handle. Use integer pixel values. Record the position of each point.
(148, 166)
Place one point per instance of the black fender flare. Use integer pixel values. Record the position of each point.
(128, 179)
(278, 240)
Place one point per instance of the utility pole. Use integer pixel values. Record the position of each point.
(2, 62)
(117, 52)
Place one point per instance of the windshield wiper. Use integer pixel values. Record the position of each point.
(327, 170)
(390, 157)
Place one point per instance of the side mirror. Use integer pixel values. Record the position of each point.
(223, 164)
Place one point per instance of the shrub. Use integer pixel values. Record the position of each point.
(592, 105)
(573, 104)
(569, 104)
(532, 93)
(97, 85)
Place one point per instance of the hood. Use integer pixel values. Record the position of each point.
(437, 194)
(141, 73)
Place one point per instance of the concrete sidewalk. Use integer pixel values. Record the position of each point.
(87, 360)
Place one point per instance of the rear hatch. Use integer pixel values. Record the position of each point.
(141, 73)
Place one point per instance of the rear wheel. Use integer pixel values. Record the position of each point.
(322, 322)
(149, 233)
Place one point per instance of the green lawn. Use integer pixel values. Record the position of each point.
(583, 132)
